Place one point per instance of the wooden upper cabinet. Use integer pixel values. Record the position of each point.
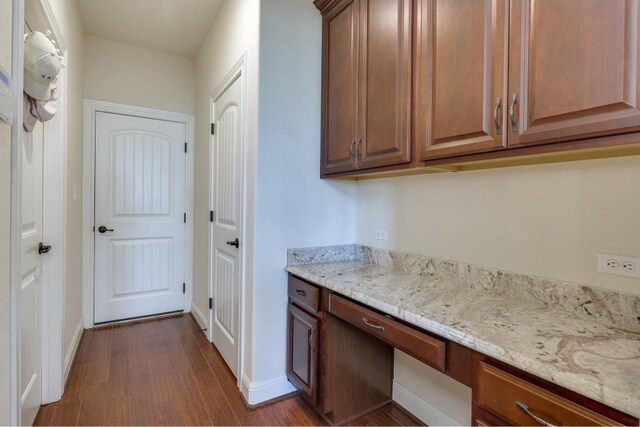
(460, 81)
(574, 69)
(384, 83)
(339, 91)
(366, 84)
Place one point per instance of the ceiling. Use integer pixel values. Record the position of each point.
(177, 27)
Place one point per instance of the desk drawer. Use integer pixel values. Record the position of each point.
(510, 397)
(304, 294)
(419, 345)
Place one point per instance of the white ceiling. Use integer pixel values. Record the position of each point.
(173, 26)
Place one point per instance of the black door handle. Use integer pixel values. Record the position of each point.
(235, 243)
(102, 229)
(44, 249)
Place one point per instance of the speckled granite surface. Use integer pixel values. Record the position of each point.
(538, 325)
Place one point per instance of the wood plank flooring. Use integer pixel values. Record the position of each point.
(164, 372)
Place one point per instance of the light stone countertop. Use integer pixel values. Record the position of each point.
(586, 356)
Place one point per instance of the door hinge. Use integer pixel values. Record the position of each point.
(185, 217)
(213, 128)
(185, 147)
(184, 288)
(210, 303)
(212, 216)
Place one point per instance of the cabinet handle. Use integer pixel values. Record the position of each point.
(358, 148)
(372, 325)
(311, 340)
(353, 149)
(496, 117)
(301, 292)
(524, 408)
(512, 113)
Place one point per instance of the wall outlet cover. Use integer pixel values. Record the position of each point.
(619, 265)
(381, 234)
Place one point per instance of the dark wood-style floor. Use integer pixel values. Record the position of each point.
(164, 372)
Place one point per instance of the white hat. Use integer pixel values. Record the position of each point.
(41, 65)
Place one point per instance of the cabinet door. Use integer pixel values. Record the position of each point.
(384, 95)
(460, 76)
(339, 79)
(574, 69)
(302, 356)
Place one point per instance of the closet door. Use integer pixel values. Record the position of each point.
(384, 83)
(339, 80)
(573, 70)
(460, 76)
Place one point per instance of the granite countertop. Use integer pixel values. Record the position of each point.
(587, 356)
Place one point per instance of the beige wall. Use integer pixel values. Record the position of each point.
(413, 381)
(5, 237)
(294, 207)
(545, 220)
(67, 15)
(126, 74)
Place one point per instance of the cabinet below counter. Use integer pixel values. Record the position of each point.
(340, 357)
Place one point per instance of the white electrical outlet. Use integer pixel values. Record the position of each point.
(381, 234)
(619, 265)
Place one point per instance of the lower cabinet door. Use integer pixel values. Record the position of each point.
(302, 354)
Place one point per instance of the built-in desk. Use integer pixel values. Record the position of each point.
(340, 357)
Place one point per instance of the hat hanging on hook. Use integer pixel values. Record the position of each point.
(42, 63)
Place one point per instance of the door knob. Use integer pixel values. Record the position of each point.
(44, 249)
(235, 243)
(102, 229)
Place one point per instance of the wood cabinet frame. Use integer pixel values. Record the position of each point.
(605, 124)
(368, 143)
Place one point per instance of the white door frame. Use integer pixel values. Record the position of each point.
(41, 18)
(16, 211)
(238, 71)
(91, 107)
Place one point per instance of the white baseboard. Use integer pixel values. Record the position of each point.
(256, 393)
(424, 411)
(200, 318)
(72, 350)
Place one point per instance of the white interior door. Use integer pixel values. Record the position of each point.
(31, 276)
(226, 225)
(139, 217)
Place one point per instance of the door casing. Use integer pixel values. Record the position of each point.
(238, 71)
(91, 107)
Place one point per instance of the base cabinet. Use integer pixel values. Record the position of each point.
(302, 360)
(508, 397)
(340, 358)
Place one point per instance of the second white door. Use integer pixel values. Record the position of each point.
(139, 217)
(226, 225)
(31, 276)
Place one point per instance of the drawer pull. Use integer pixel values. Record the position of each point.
(524, 408)
(372, 325)
(301, 292)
